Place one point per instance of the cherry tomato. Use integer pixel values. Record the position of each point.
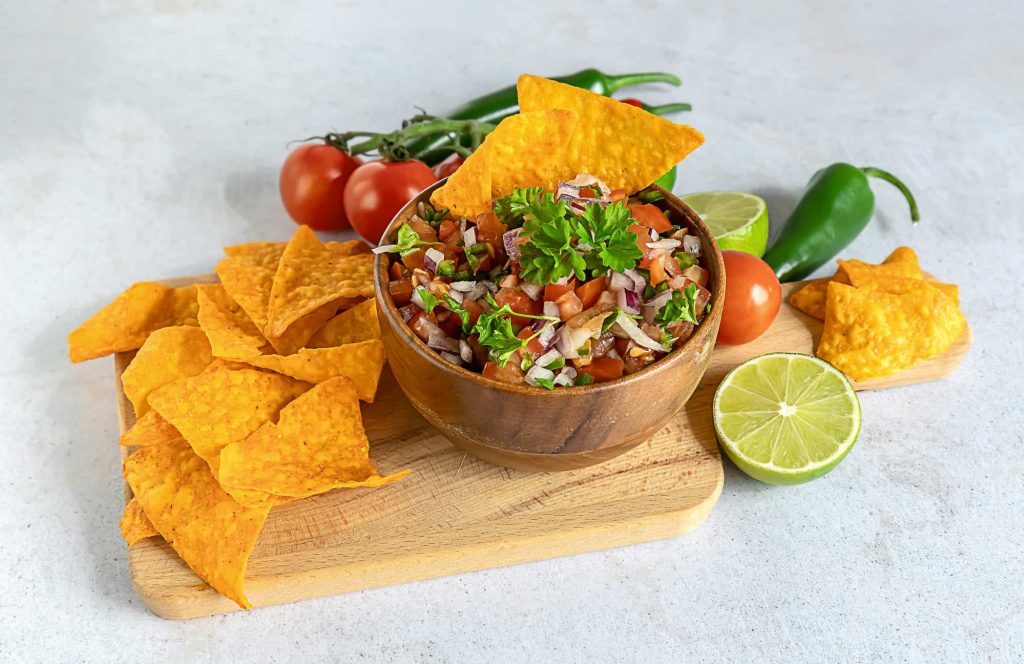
(377, 190)
(633, 102)
(752, 298)
(312, 185)
(449, 165)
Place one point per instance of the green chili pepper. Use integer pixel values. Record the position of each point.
(500, 104)
(835, 208)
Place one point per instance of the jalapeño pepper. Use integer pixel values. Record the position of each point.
(500, 104)
(835, 208)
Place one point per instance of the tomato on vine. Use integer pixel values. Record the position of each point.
(377, 190)
(312, 185)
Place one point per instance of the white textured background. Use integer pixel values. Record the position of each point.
(138, 137)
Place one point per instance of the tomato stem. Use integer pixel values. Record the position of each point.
(393, 146)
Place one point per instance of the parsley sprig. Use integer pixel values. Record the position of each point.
(560, 244)
(681, 308)
(495, 332)
(409, 241)
(510, 210)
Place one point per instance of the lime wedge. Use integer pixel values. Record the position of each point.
(737, 220)
(786, 418)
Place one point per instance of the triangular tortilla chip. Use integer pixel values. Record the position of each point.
(350, 326)
(812, 297)
(212, 532)
(232, 334)
(150, 429)
(467, 193)
(529, 150)
(126, 322)
(624, 146)
(318, 444)
(134, 524)
(869, 334)
(311, 275)
(169, 353)
(361, 362)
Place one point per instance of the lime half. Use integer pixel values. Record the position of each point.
(786, 418)
(737, 220)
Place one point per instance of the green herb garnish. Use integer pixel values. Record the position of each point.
(583, 379)
(457, 309)
(495, 332)
(429, 301)
(556, 365)
(546, 383)
(685, 260)
(445, 268)
(432, 216)
(409, 241)
(510, 210)
(681, 308)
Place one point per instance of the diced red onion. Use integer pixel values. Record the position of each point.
(663, 245)
(636, 334)
(456, 295)
(385, 249)
(548, 336)
(533, 291)
(469, 237)
(564, 281)
(452, 358)
(691, 244)
(653, 233)
(407, 312)
(548, 357)
(431, 258)
(538, 324)
(614, 354)
(628, 301)
(584, 180)
(651, 308)
(677, 282)
(463, 286)
(490, 285)
(639, 283)
(550, 309)
(465, 351)
(570, 339)
(425, 328)
(510, 241)
(438, 340)
(620, 281)
(566, 377)
(537, 371)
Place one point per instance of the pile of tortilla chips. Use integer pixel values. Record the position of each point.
(246, 395)
(882, 319)
(562, 131)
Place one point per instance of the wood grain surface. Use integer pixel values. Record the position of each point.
(457, 514)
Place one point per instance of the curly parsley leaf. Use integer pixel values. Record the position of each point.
(681, 308)
(510, 210)
(605, 230)
(409, 241)
(457, 309)
(429, 301)
(548, 253)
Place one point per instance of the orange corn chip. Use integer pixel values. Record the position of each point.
(134, 524)
(528, 150)
(318, 444)
(248, 283)
(268, 254)
(869, 334)
(169, 353)
(212, 532)
(624, 146)
(900, 263)
(351, 326)
(298, 333)
(311, 275)
(231, 332)
(361, 362)
(811, 298)
(467, 192)
(213, 410)
(150, 429)
(125, 323)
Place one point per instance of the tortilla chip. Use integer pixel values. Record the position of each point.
(125, 322)
(150, 429)
(318, 444)
(528, 150)
(213, 410)
(902, 262)
(231, 332)
(467, 193)
(624, 146)
(310, 276)
(869, 334)
(248, 282)
(904, 255)
(268, 254)
(351, 326)
(212, 532)
(134, 524)
(298, 333)
(169, 353)
(811, 298)
(361, 362)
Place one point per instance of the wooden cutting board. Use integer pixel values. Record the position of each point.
(456, 514)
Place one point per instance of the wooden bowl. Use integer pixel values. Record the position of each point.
(532, 428)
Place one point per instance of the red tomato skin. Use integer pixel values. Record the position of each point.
(604, 368)
(554, 291)
(650, 216)
(590, 291)
(312, 185)
(752, 298)
(448, 166)
(519, 302)
(377, 190)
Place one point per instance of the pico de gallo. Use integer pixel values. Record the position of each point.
(553, 289)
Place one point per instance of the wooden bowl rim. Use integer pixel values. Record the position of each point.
(387, 306)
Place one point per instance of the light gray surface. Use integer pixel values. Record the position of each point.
(137, 139)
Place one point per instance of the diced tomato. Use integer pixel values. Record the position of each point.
(554, 291)
(479, 352)
(510, 373)
(697, 274)
(590, 291)
(569, 305)
(657, 270)
(604, 368)
(671, 266)
(490, 230)
(447, 229)
(519, 302)
(423, 229)
(534, 347)
(618, 195)
(622, 345)
(473, 309)
(484, 264)
(401, 291)
(452, 325)
(415, 259)
(642, 238)
(399, 271)
(650, 216)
